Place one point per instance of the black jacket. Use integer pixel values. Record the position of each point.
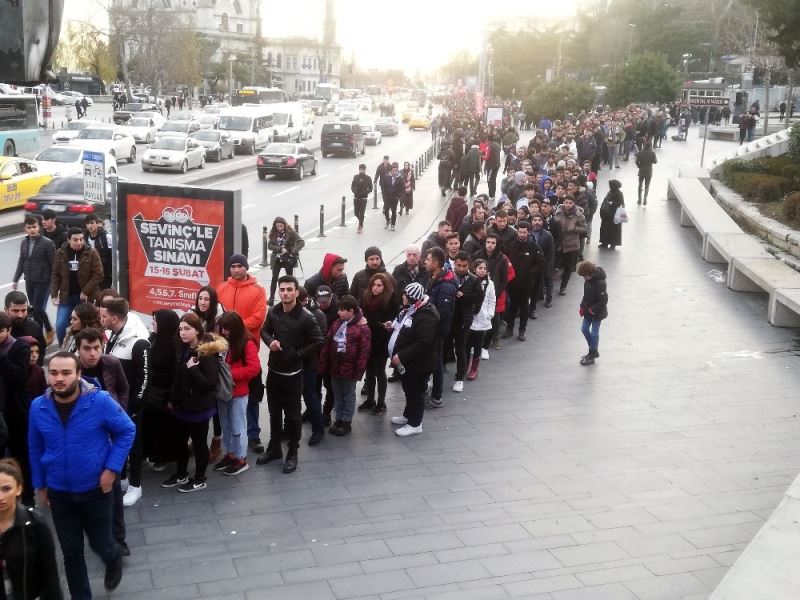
(195, 389)
(380, 172)
(498, 270)
(645, 161)
(339, 287)
(361, 279)
(361, 186)
(322, 320)
(595, 297)
(376, 316)
(548, 247)
(555, 229)
(442, 293)
(27, 553)
(465, 309)
(416, 345)
(13, 374)
(38, 266)
(528, 259)
(58, 236)
(472, 245)
(27, 326)
(402, 275)
(298, 333)
(431, 241)
(505, 237)
(102, 244)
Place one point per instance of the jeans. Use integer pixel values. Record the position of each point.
(38, 294)
(283, 396)
(233, 419)
(253, 428)
(313, 399)
(344, 397)
(63, 314)
(276, 271)
(198, 433)
(359, 206)
(438, 374)
(414, 386)
(74, 515)
(376, 373)
(591, 331)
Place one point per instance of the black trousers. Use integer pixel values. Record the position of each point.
(376, 373)
(283, 397)
(644, 179)
(414, 386)
(273, 284)
(390, 210)
(198, 433)
(519, 301)
(472, 180)
(568, 262)
(491, 179)
(457, 341)
(359, 207)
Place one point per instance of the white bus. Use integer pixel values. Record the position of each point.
(249, 126)
(258, 95)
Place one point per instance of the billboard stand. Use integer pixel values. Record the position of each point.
(114, 180)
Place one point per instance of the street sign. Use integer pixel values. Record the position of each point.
(709, 101)
(94, 177)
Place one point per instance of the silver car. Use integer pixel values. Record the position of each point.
(173, 153)
(218, 144)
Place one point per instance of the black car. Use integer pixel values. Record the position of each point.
(218, 144)
(64, 196)
(283, 158)
(342, 138)
(123, 114)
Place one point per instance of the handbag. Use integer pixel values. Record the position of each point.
(288, 260)
(620, 216)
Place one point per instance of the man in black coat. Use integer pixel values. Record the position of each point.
(505, 232)
(645, 161)
(361, 188)
(383, 169)
(468, 292)
(543, 282)
(36, 253)
(53, 230)
(411, 270)
(438, 238)
(21, 322)
(392, 185)
(528, 260)
(374, 259)
(493, 166)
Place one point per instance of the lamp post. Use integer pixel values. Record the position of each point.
(231, 60)
(630, 38)
(686, 58)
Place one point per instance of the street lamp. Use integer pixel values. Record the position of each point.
(686, 58)
(231, 60)
(630, 38)
(710, 47)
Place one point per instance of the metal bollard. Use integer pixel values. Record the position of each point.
(344, 209)
(264, 246)
(375, 198)
(321, 220)
(297, 223)
(416, 169)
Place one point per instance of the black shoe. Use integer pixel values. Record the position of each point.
(334, 430)
(193, 485)
(113, 574)
(367, 405)
(521, 337)
(344, 428)
(124, 550)
(587, 360)
(273, 452)
(290, 466)
(562, 292)
(380, 409)
(509, 332)
(175, 480)
(395, 376)
(306, 417)
(548, 302)
(256, 446)
(223, 463)
(532, 315)
(316, 438)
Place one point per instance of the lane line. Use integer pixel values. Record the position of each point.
(246, 206)
(318, 177)
(347, 166)
(11, 239)
(286, 191)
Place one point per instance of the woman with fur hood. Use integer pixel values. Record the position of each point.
(194, 400)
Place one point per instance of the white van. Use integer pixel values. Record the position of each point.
(249, 126)
(287, 121)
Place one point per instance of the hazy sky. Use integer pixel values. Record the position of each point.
(409, 34)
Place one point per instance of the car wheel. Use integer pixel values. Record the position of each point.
(148, 139)
(9, 149)
(185, 166)
(145, 169)
(301, 173)
(132, 155)
(261, 175)
(202, 164)
(219, 155)
(314, 168)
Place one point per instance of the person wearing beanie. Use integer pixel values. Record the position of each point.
(374, 264)
(412, 348)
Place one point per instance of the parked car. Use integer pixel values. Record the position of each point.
(217, 143)
(174, 153)
(282, 158)
(63, 160)
(71, 130)
(142, 129)
(113, 139)
(387, 125)
(125, 113)
(179, 128)
(20, 179)
(64, 196)
(372, 137)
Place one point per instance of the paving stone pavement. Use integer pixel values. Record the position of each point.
(642, 477)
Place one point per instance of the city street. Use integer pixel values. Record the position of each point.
(642, 477)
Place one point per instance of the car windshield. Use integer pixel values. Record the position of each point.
(280, 149)
(64, 185)
(207, 135)
(169, 143)
(235, 123)
(96, 134)
(139, 123)
(170, 126)
(56, 154)
(77, 125)
(280, 118)
(133, 106)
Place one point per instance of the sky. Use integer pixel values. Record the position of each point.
(411, 34)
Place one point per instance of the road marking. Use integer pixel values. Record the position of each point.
(2, 287)
(318, 177)
(246, 206)
(233, 177)
(286, 191)
(347, 166)
(11, 239)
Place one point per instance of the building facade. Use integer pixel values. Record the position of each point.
(297, 65)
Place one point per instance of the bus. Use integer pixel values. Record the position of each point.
(258, 95)
(19, 124)
(327, 91)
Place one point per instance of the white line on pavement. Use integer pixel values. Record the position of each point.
(347, 166)
(318, 177)
(287, 190)
(246, 206)
(2, 287)
(12, 238)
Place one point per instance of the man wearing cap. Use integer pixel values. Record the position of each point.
(374, 260)
(361, 188)
(242, 293)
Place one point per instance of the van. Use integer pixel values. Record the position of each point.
(287, 121)
(342, 138)
(250, 127)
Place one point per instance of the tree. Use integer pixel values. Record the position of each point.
(782, 19)
(556, 100)
(646, 78)
(82, 47)
(460, 66)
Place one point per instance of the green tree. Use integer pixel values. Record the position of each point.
(556, 100)
(85, 48)
(646, 78)
(782, 19)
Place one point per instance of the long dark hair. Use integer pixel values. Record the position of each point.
(237, 334)
(273, 233)
(88, 314)
(207, 318)
(386, 298)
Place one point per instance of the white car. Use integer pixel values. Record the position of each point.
(365, 103)
(174, 153)
(142, 129)
(349, 115)
(172, 128)
(111, 138)
(372, 137)
(64, 160)
(207, 121)
(157, 117)
(71, 131)
(72, 95)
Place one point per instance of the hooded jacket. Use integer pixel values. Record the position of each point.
(163, 348)
(298, 333)
(594, 303)
(195, 389)
(352, 363)
(131, 345)
(71, 457)
(340, 286)
(244, 370)
(248, 298)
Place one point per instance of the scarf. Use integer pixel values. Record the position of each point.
(340, 337)
(400, 322)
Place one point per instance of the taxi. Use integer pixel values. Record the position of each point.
(19, 180)
(419, 121)
(407, 113)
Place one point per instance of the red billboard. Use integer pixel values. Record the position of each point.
(173, 241)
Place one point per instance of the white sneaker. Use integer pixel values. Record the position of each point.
(458, 386)
(484, 354)
(132, 496)
(124, 485)
(406, 430)
(401, 420)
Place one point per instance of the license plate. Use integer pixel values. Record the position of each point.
(274, 160)
(55, 207)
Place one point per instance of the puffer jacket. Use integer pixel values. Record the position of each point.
(248, 298)
(482, 321)
(71, 457)
(243, 371)
(195, 389)
(594, 303)
(416, 344)
(352, 363)
(573, 226)
(442, 293)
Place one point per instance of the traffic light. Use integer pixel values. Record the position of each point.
(29, 33)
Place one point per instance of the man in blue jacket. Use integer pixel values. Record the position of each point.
(78, 439)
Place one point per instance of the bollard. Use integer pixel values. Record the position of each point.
(344, 209)
(416, 169)
(265, 246)
(375, 198)
(297, 223)
(321, 220)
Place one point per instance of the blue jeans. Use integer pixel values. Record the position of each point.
(74, 515)
(63, 314)
(344, 398)
(313, 400)
(253, 428)
(233, 419)
(591, 331)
